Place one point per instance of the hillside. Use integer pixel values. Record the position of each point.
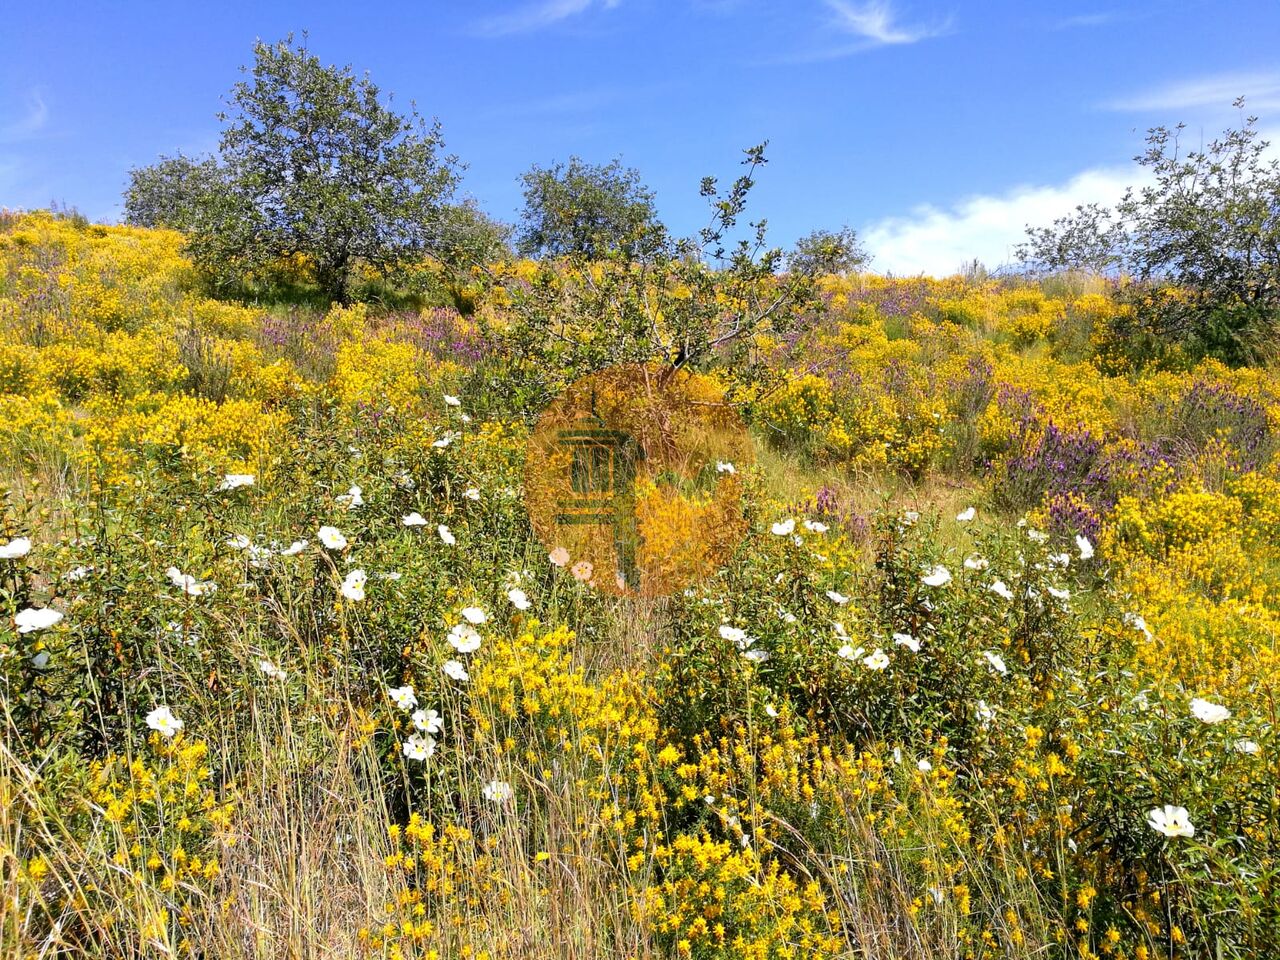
(287, 670)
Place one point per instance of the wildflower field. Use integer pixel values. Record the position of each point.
(286, 671)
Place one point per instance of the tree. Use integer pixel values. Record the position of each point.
(313, 166)
(171, 192)
(716, 299)
(468, 235)
(824, 251)
(1202, 239)
(583, 209)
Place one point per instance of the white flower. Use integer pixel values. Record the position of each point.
(403, 697)
(816, 526)
(1138, 623)
(1208, 712)
(985, 713)
(837, 598)
(352, 498)
(332, 538)
(923, 765)
(428, 721)
(40, 660)
(239, 542)
(452, 401)
(1060, 560)
(189, 584)
(723, 466)
(756, 655)
(909, 517)
(31, 619)
(1171, 821)
(1037, 536)
(1246, 746)
(498, 791)
(936, 576)
(234, 481)
(783, 528)
(271, 670)
(518, 598)
(455, 669)
(446, 536)
(876, 661)
(1085, 547)
(79, 573)
(1000, 590)
(582, 570)
(163, 720)
(444, 441)
(964, 516)
(848, 652)
(995, 661)
(294, 548)
(897, 754)
(464, 638)
(418, 747)
(770, 710)
(975, 562)
(1061, 594)
(15, 548)
(414, 519)
(353, 585)
(471, 493)
(559, 556)
(735, 635)
(908, 641)
(474, 615)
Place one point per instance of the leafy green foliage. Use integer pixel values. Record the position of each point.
(827, 251)
(708, 301)
(314, 169)
(172, 191)
(588, 210)
(1208, 224)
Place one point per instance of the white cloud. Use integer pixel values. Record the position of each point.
(1099, 19)
(874, 22)
(938, 241)
(1261, 90)
(538, 15)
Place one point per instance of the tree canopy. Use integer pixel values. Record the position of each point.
(1201, 238)
(579, 208)
(313, 164)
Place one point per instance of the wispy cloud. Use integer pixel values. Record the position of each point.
(876, 23)
(34, 119)
(858, 27)
(1099, 19)
(535, 16)
(938, 240)
(1261, 90)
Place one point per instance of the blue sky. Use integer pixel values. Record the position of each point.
(936, 129)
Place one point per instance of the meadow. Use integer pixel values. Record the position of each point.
(286, 671)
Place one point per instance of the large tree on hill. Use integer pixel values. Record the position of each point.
(313, 164)
(584, 209)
